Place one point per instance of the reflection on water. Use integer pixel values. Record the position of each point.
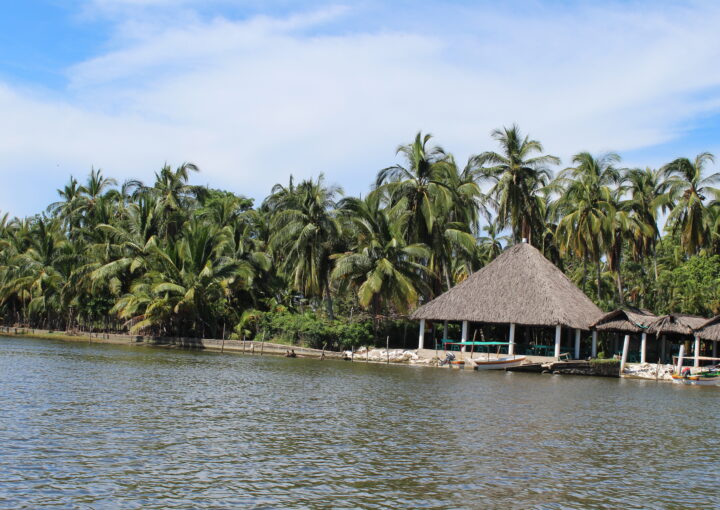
(99, 426)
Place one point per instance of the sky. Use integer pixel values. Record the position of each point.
(253, 91)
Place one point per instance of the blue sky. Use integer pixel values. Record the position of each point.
(253, 91)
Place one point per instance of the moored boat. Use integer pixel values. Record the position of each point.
(710, 377)
(500, 363)
(700, 379)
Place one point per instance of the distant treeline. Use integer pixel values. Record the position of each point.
(175, 259)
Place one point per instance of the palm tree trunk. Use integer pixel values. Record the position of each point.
(328, 301)
(655, 262)
(618, 280)
(598, 279)
(447, 278)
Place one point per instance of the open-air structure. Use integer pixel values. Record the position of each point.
(679, 326)
(519, 288)
(627, 321)
(710, 331)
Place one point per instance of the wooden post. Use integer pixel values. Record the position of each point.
(662, 348)
(387, 349)
(697, 352)
(626, 347)
(715, 349)
(352, 353)
(593, 353)
(577, 344)
(253, 347)
(558, 339)
(511, 339)
(243, 344)
(464, 337)
(643, 347)
(262, 346)
(367, 354)
(445, 329)
(421, 337)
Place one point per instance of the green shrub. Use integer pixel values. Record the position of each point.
(310, 330)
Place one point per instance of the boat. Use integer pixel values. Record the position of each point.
(500, 363)
(708, 377)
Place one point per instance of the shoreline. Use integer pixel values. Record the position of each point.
(373, 355)
(209, 344)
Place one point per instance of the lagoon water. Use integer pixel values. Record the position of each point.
(102, 426)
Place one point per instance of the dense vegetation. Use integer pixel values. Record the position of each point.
(313, 266)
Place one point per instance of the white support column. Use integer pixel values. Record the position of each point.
(464, 334)
(626, 348)
(681, 358)
(643, 347)
(511, 339)
(445, 327)
(421, 337)
(577, 344)
(558, 338)
(697, 352)
(593, 354)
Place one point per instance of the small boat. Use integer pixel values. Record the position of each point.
(498, 363)
(709, 377)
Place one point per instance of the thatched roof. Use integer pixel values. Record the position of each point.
(520, 286)
(710, 330)
(676, 323)
(626, 320)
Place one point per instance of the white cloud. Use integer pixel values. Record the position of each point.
(251, 101)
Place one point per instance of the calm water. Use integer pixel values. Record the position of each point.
(99, 426)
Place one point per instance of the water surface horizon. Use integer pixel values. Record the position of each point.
(92, 425)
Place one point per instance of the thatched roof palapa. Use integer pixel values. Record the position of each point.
(520, 286)
(710, 330)
(626, 320)
(677, 324)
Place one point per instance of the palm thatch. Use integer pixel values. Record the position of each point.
(677, 324)
(710, 330)
(520, 286)
(626, 320)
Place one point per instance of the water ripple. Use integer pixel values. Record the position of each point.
(96, 426)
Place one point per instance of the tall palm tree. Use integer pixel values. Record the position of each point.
(648, 190)
(305, 235)
(688, 189)
(586, 206)
(420, 187)
(517, 176)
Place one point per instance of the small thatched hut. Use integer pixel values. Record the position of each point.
(679, 325)
(627, 321)
(710, 330)
(520, 287)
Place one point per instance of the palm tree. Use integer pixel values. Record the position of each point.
(688, 189)
(648, 190)
(420, 187)
(517, 178)
(587, 206)
(305, 235)
(492, 243)
(185, 286)
(380, 265)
